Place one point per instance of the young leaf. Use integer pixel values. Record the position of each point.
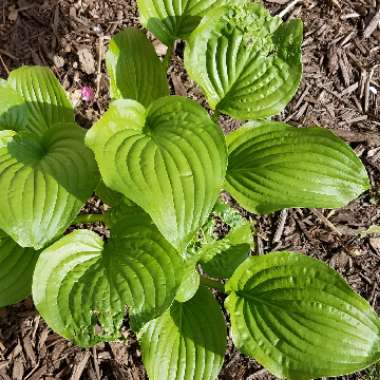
(221, 257)
(16, 271)
(134, 69)
(187, 342)
(273, 166)
(189, 285)
(169, 20)
(299, 319)
(170, 159)
(81, 285)
(44, 181)
(45, 99)
(247, 63)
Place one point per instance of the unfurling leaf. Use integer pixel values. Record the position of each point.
(187, 342)
(81, 285)
(134, 69)
(46, 171)
(170, 159)
(299, 318)
(247, 62)
(274, 165)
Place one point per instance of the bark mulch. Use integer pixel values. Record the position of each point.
(340, 91)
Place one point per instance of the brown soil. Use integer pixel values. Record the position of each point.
(340, 91)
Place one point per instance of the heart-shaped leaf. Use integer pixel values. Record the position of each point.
(170, 159)
(174, 19)
(299, 319)
(46, 171)
(16, 271)
(44, 181)
(187, 342)
(81, 285)
(274, 166)
(134, 69)
(247, 63)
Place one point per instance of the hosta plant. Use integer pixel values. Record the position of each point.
(161, 162)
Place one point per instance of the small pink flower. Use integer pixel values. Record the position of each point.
(87, 94)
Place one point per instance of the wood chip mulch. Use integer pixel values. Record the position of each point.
(340, 91)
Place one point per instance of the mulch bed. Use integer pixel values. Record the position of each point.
(340, 91)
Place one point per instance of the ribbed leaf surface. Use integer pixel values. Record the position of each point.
(273, 166)
(46, 100)
(134, 69)
(187, 342)
(43, 183)
(170, 159)
(16, 271)
(46, 171)
(174, 19)
(81, 286)
(13, 110)
(247, 63)
(299, 319)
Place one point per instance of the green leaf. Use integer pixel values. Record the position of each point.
(81, 285)
(299, 319)
(46, 101)
(46, 171)
(13, 110)
(274, 166)
(247, 63)
(221, 257)
(110, 197)
(170, 159)
(189, 285)
(169, 20)
(134, 69)
(44, 181)
(16, 271)
(188, 342)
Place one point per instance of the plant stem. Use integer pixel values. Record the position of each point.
(168, 55)
(212, 283)
(89, 218)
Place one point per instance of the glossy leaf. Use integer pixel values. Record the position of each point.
(187, 342)
(134, 69)
(247, 62)
(81, 285)
(46, 100)
(169, 159)
(44, 181)
(299, 319)
(274, 166)
(16, 271)
(46, 171)
(169, 20)
(13, 110)
(189, 285)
